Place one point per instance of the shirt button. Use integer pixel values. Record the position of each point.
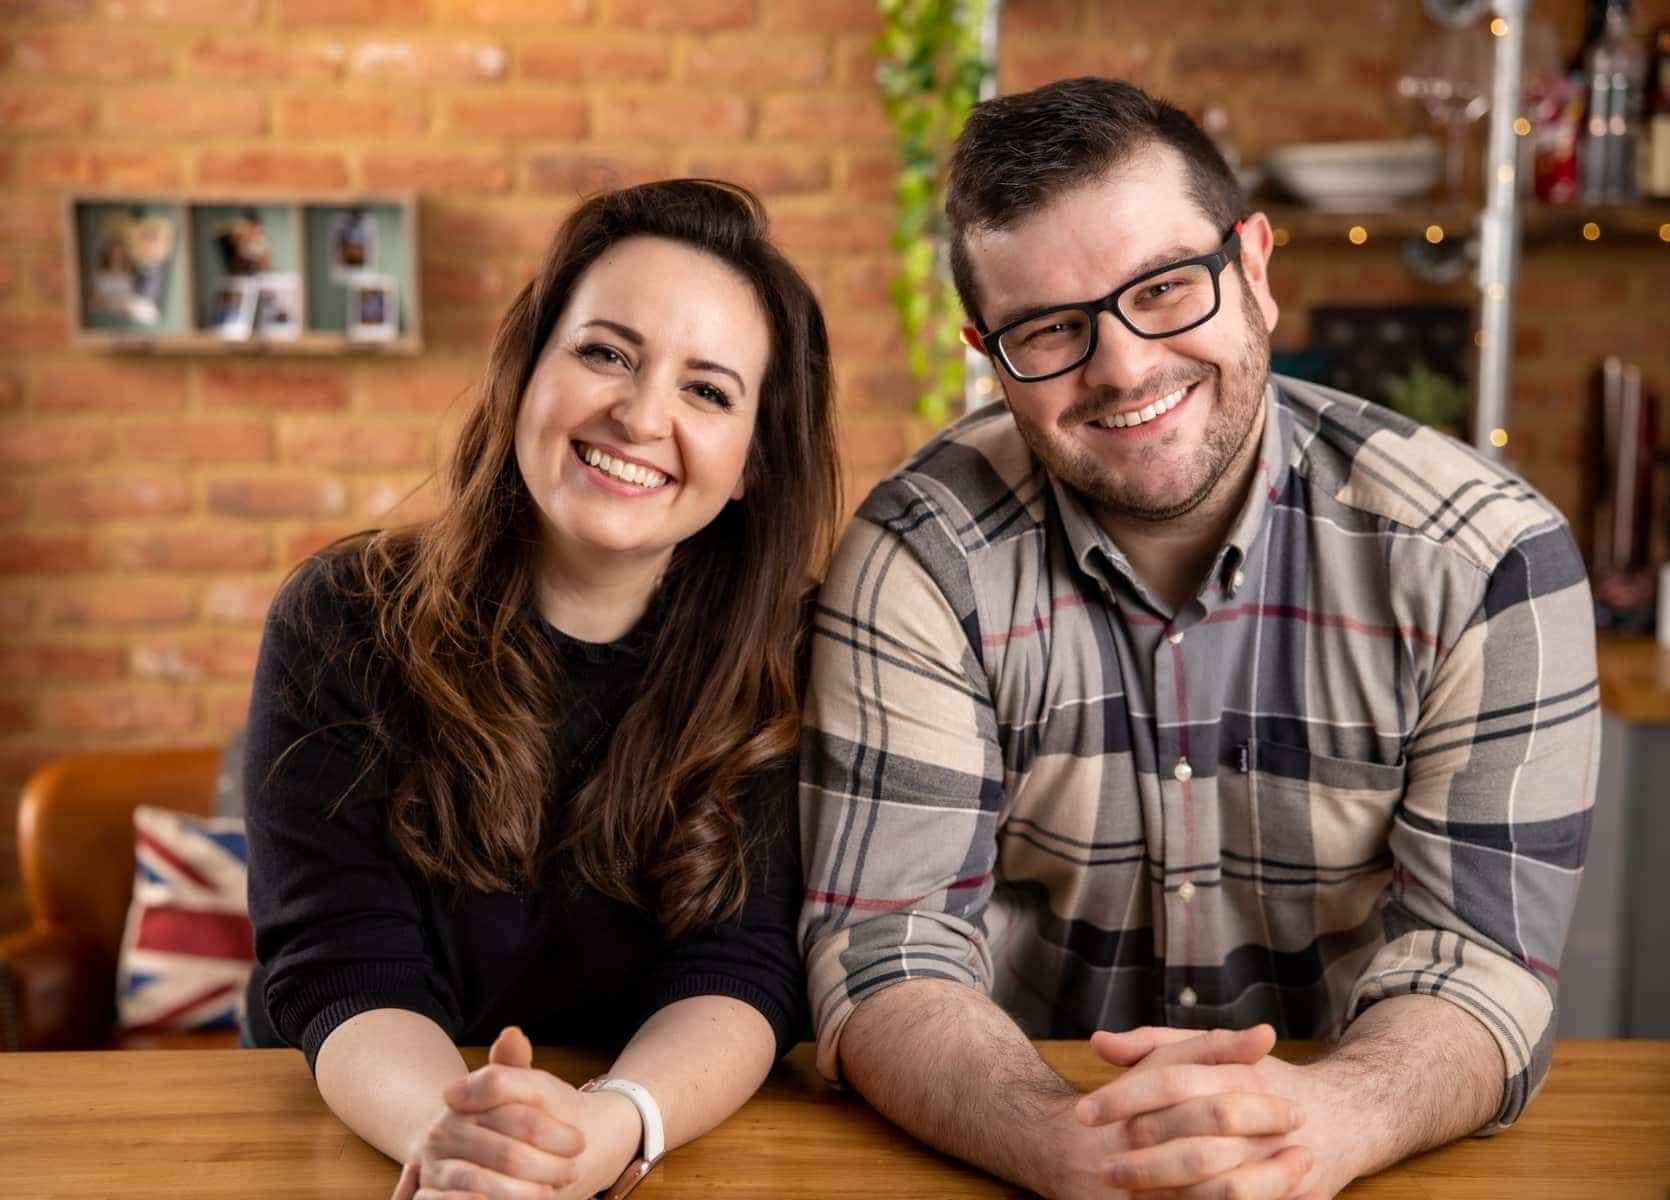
(1187, 997)
(1174, 638)
(1182, 772)
(1186, 892)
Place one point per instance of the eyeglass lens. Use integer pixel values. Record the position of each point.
(1165, 304)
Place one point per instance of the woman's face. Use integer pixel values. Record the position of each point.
(635, 426)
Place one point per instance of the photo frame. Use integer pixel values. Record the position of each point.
(232, 308)
(130, 259)
(278, 305)
(373, 308)
(351, 245)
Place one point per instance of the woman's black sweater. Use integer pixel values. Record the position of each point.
(342, 925)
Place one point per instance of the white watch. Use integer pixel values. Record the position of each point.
(655, 1142)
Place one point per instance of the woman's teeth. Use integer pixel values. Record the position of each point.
(1147, 413)
(624, 471)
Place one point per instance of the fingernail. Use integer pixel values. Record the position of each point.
(1089, 1112)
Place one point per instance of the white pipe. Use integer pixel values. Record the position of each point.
(1499, 230)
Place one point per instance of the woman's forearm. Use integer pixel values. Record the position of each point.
(701, 1059)
(382, 1073)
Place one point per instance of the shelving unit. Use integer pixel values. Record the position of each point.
(127, 296)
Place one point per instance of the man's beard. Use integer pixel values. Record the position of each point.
(1236, 408)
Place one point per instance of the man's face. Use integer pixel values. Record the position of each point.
(1083, 245)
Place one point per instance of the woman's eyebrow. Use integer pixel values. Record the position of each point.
(625, 331)
(702, 364)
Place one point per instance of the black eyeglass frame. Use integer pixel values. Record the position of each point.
(1215, 263)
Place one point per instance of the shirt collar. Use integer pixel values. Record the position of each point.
(1095, 552)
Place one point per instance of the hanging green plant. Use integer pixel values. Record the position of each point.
(930, 70)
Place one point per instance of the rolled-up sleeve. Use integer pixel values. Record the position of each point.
(900, 785)
(1488, 842)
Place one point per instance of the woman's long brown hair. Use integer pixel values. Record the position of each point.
(479, 686)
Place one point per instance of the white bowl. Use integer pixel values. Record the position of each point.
(1359, 176)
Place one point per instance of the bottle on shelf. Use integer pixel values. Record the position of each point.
(1615, 71)
(1655, 146)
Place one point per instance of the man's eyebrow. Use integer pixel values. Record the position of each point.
(637, 339)
(1153, 262)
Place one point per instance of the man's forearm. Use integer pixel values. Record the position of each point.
(943, 1062)
(1417, 1072)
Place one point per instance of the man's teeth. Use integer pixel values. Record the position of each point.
(1147, 413)
(624, 471)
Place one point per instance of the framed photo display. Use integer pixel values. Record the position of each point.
(318, 274)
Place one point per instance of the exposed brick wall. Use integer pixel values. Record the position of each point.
(148, 508)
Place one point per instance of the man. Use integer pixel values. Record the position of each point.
(1169, 696)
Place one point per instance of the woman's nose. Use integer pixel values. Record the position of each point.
(643, 412)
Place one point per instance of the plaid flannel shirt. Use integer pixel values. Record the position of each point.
(1359, 763)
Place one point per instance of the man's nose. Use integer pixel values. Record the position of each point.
(644, 411)
(1122, 361)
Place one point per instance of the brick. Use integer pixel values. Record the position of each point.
(47, 553)
(227, 711)
(21, 333)
(598, 58)
(353, 12)
(119, 710)
(841, 231)
(280, 388)
(310, 541)
(395, 502)
(50, 443)
(870, 335)
(823, 117)
(13, 500)
(357, 445)
(460, 330)
(855, 61)
(15, 714)
(527, 115)
(889, 391)
(195, 548)
(331, 116)
(110, 387)
(766, 171)
(239, 603)
(465, 283)
(872, 173)
(431, 387)
(429, 62)
(826, 16)
(30, 219)
(1215, 62)
(16, 611)
(1037, 61)
(672, 116)
(8, 277)
(45, 10)
(699, 16)
(452, 226)
(46, 275)
(437, 172)
(867, 282)
(757, 61)
(1275, 122)
(11, 391)
(583, 174)
(542, 13)
(277, 497)
(44, 110)
(1048, 16)
(90, 54)
(200, 440)
(189, 12)
(248, 60)
(222, 656)
(875, 443)
(271, 169)
(113, 496)
(74, 167)
(60, 660)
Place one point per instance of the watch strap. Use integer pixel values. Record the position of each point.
(654, 1143)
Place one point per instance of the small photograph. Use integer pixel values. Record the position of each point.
(131, 263)
(278, 304)
(232, 309)
(373, 308)
(353, 245)
(245, 248)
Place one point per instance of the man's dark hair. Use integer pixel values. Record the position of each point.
(1017, 153)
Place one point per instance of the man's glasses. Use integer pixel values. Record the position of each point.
(1156, 304)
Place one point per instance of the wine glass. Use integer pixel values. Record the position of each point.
(1447, 81)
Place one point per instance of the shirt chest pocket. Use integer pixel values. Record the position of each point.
(1316, 824)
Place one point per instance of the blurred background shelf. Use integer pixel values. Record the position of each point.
(1635, 224)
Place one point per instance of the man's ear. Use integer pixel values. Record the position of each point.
(973, 340)
(1257, 244)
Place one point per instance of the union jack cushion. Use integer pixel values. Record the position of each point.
(187, 948)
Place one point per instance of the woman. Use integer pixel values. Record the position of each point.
(529, 764)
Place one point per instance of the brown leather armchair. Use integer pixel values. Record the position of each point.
(75, 848)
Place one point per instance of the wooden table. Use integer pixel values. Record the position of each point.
(248, 1124)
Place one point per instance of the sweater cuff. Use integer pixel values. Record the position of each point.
(308, 1015)
(716, 984)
